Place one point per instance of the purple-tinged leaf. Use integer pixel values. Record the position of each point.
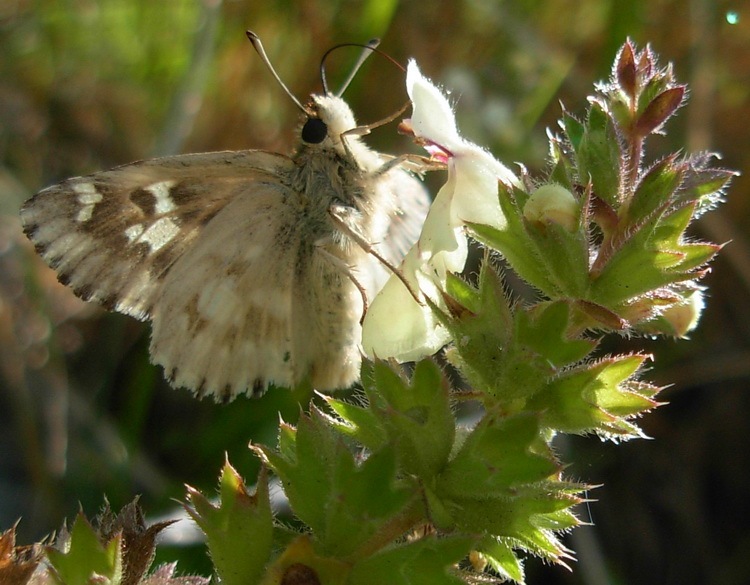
(626, 71)
(646, 62)
(659, 110)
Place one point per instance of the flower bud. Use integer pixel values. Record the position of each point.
(553, 204)
(684, 318)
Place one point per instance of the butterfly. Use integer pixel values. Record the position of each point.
(249, 264)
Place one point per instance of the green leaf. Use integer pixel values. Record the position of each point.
(563, 170)
(427, 561)
(655, 189)
(668, 236)
(488, 354)
(484, 328)
(417, 415)
(549, 257)
(366, 499)
(343, 503)
(304, 467)
(498, 552)
(496, 457)
(599, 157)
(85, 559)
(502, 484)
(239, 530)
(358, 422)
(574, 130)
(463, 293)
(509, 361)
(521, 517)
(649, 259)
(702, 183)
(547, 331)
(563, 256)
(598, 397)
(287, 441)
(488, 319)
(514, 243)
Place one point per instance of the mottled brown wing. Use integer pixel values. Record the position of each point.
(222, 323)
(114, 236)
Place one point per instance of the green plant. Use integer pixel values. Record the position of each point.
(389, 486)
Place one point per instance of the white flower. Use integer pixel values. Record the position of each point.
(396, 326)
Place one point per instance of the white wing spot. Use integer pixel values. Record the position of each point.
(134, 232)
(156, 236)
(85, 213)
(84, 189)
(160, 191)
(88, 197)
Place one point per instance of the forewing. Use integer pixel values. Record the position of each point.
(222, 323)
(114, 236)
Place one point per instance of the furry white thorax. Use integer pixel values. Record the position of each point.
(339, 118)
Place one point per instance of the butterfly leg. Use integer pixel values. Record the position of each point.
(416, 163)
(346, 270)
(337, 216)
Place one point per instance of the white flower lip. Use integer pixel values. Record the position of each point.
(396, 325)
(433, 117)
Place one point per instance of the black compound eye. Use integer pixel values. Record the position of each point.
(314, 131)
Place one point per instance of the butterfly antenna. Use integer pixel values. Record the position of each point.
(258, 46)
(367, 50)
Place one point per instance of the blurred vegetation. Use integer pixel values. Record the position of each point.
(86, 85)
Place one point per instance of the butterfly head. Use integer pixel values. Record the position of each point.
(328, 118)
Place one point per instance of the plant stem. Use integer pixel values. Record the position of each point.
(409, 518)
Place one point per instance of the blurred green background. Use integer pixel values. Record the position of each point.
(86, 85)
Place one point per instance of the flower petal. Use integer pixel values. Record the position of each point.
(397, 325)
(432, 117)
